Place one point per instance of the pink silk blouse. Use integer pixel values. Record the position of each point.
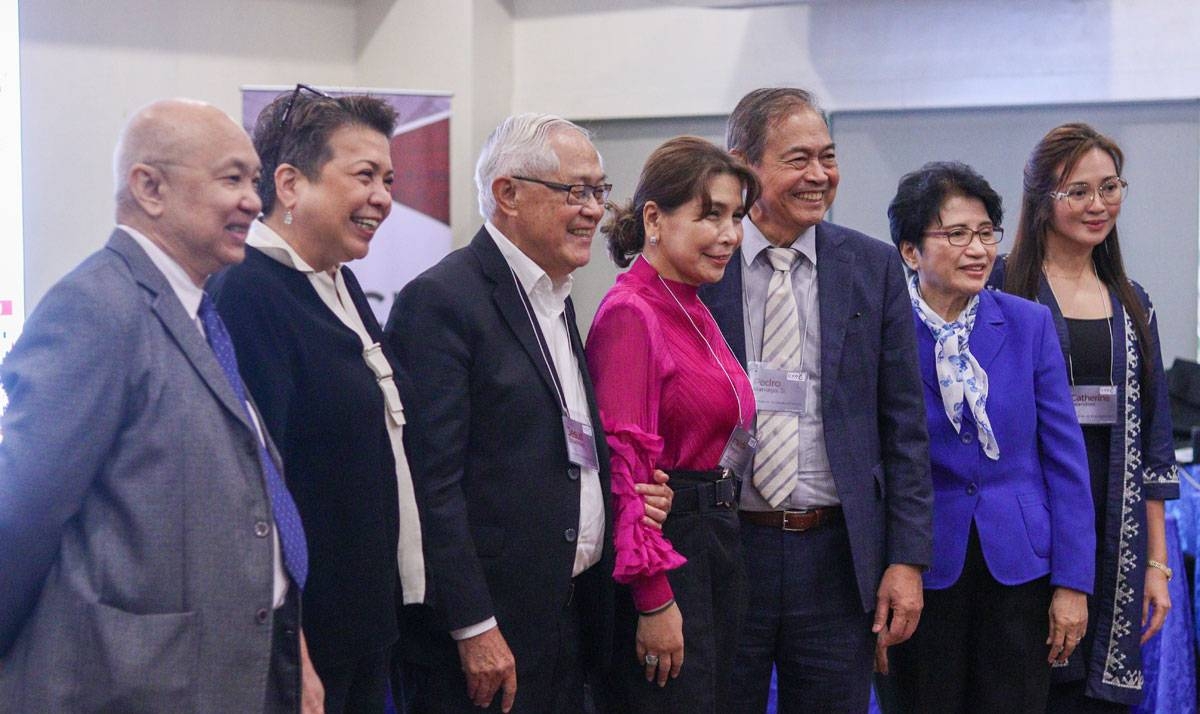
(664, 402)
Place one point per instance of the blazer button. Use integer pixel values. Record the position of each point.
(972, 489)
(966, 437)
(262, 616)
(261, 529)
(570, 534)
(573, 472)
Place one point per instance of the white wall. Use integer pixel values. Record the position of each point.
(85, 67)
(644, 60)
(461, 46)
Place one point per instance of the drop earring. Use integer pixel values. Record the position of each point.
(653, 240)
(287, 218)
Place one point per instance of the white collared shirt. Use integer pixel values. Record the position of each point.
(549, 305)
(189, 295)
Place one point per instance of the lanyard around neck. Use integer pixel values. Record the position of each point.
(543, 346)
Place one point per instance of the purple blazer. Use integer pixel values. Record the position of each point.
(1032, 507)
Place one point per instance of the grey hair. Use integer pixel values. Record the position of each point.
(519, 146)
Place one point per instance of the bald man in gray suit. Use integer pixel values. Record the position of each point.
(147, 561)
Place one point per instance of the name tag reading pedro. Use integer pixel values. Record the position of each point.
(739, 451)
(779, 390)
(1095, 403)
(581, 443)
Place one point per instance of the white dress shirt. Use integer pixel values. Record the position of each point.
(189, 295)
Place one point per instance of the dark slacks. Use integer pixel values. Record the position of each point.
(359, 686)
(553, 685)
(283, 676)
(710, 590)
(980, 646)
(1068, 698)
(804, 616)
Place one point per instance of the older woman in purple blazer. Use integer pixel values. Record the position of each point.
(1013, 533)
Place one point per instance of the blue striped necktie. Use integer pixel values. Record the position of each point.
(287, 518)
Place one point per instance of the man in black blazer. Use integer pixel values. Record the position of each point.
(840, 526)
(504, 438)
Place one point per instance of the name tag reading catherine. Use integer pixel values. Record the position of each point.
(1095, 403)
(739, 452)
(779, 390)
(581, 444)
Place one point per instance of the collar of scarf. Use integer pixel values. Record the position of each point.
(960, 376)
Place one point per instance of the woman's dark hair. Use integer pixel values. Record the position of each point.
(1049, 166)
(301, 138)
(920, 195)
(675, 173)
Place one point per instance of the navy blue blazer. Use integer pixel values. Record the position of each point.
(871, 402)
(1032, 507)
(499, 498)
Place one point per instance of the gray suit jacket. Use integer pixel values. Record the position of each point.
(133, 576)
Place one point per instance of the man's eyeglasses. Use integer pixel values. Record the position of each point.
(577, 193)
(962, 236)
(1080, 195)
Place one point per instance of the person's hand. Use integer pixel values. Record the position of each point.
(881, 659)
(1156, 603)
(489, 665)
(661, 635)
(1068, 621)
(312, 692)
(900, 596)
(657, 498)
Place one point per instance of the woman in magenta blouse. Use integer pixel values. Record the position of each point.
(672, 396)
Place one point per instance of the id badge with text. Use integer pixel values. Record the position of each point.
(581, 443)
(739, 451)
(779, 390)
(1095, 404)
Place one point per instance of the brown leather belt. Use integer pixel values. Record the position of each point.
(794, 521)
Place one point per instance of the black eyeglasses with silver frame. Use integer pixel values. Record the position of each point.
(577, 193)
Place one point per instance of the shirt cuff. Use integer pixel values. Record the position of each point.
(465, 633)
(651, 592)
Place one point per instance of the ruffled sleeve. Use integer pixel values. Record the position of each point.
(643, 554)
(627, 364)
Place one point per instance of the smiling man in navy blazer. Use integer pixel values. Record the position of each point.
(837, 514)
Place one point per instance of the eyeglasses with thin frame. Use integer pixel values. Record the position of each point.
(1111, 192)
(961, 236)
(577, 193)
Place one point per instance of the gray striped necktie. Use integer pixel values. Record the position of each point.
(776, 462)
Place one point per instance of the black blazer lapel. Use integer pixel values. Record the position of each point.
(510, 304)
(169, 311)
(724, 300)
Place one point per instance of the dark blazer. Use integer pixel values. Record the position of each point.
(135, 571)
(1033, 506)
(324, 409)
(499, 498)
(871, 402)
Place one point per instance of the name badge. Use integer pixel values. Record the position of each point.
(739, 451)
(1095, 403)
(779, 390)
(581, 444)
